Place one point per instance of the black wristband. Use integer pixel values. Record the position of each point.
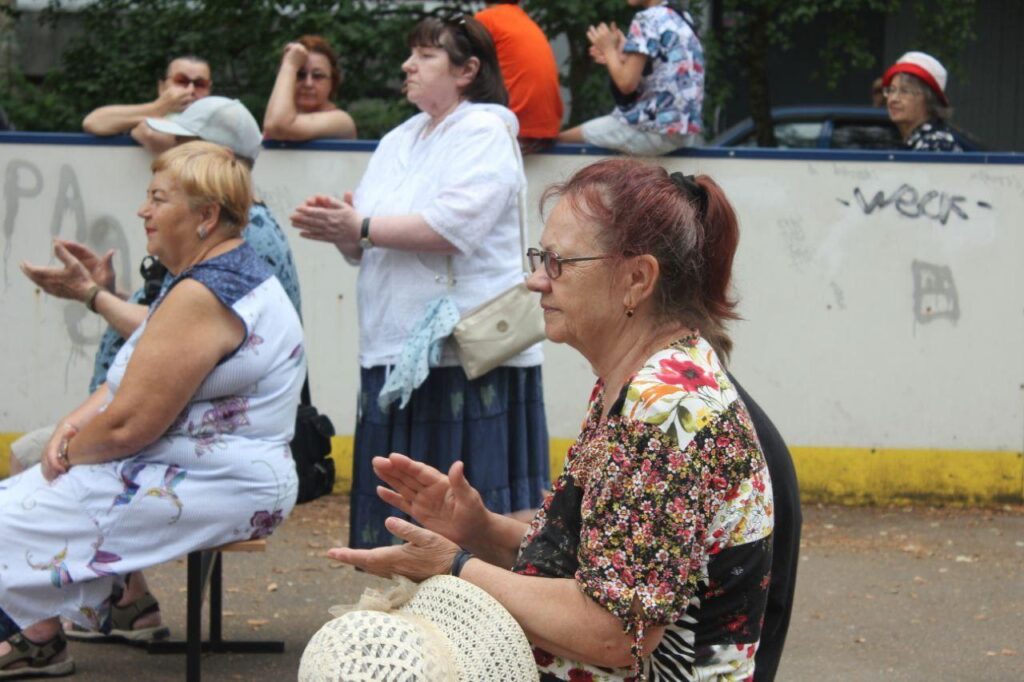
(459, 561)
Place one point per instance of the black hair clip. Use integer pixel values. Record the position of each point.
(697, 194)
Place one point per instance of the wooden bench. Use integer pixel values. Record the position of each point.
(204, 568)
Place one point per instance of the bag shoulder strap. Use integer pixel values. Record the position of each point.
(521, 202)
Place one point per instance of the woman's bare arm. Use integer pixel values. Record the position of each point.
(558, 617)
(185, 338)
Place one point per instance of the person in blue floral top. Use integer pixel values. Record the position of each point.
(651, 557)
(657, 77)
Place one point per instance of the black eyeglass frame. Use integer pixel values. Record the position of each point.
(553, 262)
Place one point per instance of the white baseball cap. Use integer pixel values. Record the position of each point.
(216, 119)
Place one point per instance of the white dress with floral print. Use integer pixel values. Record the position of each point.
(222, 472)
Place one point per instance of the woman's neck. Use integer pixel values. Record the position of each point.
(627, 354)
(439, 115)
(209, 249)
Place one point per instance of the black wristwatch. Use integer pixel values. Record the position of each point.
(364, 235)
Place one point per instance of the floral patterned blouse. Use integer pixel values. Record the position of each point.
(666, 505)
(670, 95)
(933, 136)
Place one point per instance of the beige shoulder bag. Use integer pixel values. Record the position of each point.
(509, 323)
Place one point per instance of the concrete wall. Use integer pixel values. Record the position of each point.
(882, 297)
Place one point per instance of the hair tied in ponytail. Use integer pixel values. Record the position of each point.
(697, 194)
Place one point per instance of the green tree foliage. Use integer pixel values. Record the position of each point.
(752, 28)
(125, 45)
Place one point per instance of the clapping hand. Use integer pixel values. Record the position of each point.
(100, 269)
(326, 219)
(82, 270)
(604, 40)
(424, 554)
(446, 504)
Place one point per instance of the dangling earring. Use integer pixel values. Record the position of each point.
(202, 232)
(629, 312)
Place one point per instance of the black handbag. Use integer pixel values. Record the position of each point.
(311, 447)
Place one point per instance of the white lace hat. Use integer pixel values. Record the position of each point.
(444, 630)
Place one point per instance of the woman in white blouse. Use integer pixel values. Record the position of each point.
(436, 215)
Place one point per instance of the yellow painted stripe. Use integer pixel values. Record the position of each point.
(827, 474)
(889, 475)
(5, 452)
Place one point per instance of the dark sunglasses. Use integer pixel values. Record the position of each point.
(553, 262)
(184, 81)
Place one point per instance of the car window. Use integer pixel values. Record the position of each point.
(791, 134)
(797, 134)
(865, 135)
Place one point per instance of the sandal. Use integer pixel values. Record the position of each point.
(122, 624)
(28, 659)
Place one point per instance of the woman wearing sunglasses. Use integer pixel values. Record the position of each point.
(651, 557)
(300, 106)
(434, 229)
(186, 80)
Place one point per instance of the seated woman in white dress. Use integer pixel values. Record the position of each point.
(186, 444)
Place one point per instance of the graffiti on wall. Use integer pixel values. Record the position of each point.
(24, 182)
(910, 202)
(935, 295)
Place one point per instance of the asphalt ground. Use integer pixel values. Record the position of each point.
(883, 594)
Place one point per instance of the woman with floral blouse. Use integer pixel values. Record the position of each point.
(650, 559)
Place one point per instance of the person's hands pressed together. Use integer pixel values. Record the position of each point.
(605, 39)
(326, 219)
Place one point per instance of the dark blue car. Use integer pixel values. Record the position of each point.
(826, 127)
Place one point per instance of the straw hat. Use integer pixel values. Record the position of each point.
(444, 630)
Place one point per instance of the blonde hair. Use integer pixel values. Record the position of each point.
(211, 174)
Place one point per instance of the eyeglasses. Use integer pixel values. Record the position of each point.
(317, 76)
(893, 91)
(184, 81)
(553, 262)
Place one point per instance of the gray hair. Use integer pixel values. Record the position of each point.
(933, 106)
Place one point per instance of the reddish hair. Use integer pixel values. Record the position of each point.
(319, 44)
(639, 209)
